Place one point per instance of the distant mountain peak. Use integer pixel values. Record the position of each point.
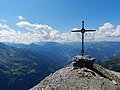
(69, 78)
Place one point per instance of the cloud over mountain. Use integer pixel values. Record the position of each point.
(41, 32)
(108, 31)
(47, 33)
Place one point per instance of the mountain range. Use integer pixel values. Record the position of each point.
(20, 69)
(99, 50)
(23, 65)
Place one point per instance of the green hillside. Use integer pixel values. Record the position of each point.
(21, 69)
(112, 63)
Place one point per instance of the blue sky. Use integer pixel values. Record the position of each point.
(62, 15)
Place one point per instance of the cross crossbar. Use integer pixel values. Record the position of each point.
(82, 31)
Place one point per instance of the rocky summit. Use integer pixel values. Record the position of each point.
(70, 78)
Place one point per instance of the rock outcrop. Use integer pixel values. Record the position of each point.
(69, 78)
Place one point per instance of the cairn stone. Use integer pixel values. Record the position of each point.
(83, 61)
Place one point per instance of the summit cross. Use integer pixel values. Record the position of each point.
(82, 31)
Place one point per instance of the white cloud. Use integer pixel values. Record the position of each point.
(9, 35)
(47, 33)
(116, 32)
(38, 28)
(3, 26)
(3, 20)
(75, 29)
(20, 17)
(107, 31)
(40, 32)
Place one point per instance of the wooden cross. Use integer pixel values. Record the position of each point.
(82, 31)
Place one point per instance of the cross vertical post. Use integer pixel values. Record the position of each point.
(82, 24)
(82, 31)
(82, 50)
